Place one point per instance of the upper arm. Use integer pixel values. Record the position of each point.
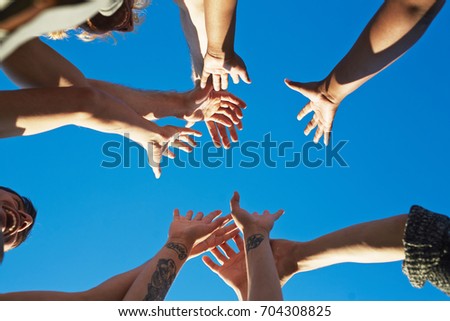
(35, 64)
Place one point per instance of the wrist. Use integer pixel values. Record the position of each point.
(330, 90)
(181, 105)
(241, 292)
(252, 230)
(180, 246)
(218, 52)
(187, 105)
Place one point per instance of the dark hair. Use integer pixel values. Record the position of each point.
(29, 209)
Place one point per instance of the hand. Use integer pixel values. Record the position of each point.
(157, 143)
(220, 236)
(219, 109)
(232, 269)
(323, 106)
(193, 230)
(219, 67)
(246, 221)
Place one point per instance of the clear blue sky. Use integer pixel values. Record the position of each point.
(95, 223)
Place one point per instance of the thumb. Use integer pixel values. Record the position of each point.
(189, 124)
(306, 89)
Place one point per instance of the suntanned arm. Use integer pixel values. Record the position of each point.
(370, 242)
(49, 69)
(193, 22)
(220, 26)
(113, 289)
(209, 28)
(32, 111)
(394, 29)
(187, 239)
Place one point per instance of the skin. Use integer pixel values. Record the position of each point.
(232, 267)
(262, 275)
(370, 242)
(13, 219)
(62, 96)
(209, 27)
(394, 29)
(188, 237)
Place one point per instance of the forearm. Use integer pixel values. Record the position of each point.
(372, 242)
(113, 289)
(192, 15)
(220, 18)
(158, 274)
(394, 29)
(263, 281)
(149, 104)
(32, 111)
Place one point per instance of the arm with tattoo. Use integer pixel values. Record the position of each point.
(158, 274)
(262, 275)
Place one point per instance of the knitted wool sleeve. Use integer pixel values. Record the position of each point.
(427, 255)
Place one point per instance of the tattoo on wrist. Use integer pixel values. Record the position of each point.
(179, 248)
(253, 241)
(162, 279)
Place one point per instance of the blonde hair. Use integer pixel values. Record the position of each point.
(139, 7)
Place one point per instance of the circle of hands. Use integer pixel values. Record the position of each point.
(222, 112)
(215, 234)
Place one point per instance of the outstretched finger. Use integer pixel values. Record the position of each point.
(224, 136)
(211, 216)
(212, 129)
(176, 213)
(233, 134)
(221, 258)
(227, 250)
(326, 137)
(242, 72)
(234, 108)
(155, 163)
(224, 79)
(278, 214)
(221, 119)
(229, 97)
(210, 263)
(189, 131)
(189, 214)
(305, 111)
(235, 78)
(318, 134)
(204, 79)
(182, 146)
(306, 89)
(216, 82)
(311, 125)
(188, 139)
(234, 203)
(168, 153)
(198, 216)
(229, 113)
(239, 242)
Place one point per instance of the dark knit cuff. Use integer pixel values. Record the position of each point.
(426, 242)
